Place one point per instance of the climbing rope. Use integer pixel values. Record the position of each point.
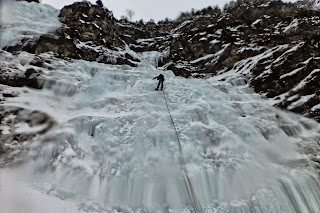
(195, 202)
(192, 195)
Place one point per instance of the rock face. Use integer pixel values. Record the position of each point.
(310, 4)
(18, 125)
(90, 32)
(274, 45)
(88, 22)
(28, 78)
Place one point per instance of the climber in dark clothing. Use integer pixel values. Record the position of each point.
(160, 78)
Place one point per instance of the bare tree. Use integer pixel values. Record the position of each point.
(129, 13)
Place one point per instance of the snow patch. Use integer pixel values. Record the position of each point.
(305, 80)
(316, 107)
(302, 100)
(289, 74)
(277, 62)
(291, 26)
(246, 65)
(215, 41)
(203, 58)
(206, 57)
(181, 26)
(256, 22)
(97, 26)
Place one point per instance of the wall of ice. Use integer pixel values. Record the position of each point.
(115, 147)
(23, 22)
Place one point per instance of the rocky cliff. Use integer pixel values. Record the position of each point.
(273, 45)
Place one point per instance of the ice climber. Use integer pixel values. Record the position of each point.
(160, 78)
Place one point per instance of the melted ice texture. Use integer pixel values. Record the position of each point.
(114, 148)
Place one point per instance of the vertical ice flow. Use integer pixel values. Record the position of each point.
(116, 148)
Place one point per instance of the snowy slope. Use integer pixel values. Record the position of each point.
(113, 147)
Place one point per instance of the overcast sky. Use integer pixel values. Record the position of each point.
(148, 9)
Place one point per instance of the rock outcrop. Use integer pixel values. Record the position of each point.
(19, 125)
(87, 22)
(274, 45)
(90, 33)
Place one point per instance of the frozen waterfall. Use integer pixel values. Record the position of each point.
(115, 150)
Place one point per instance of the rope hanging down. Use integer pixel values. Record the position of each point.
(195, 202)
(193, 198)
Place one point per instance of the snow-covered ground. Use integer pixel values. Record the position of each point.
(114, 148)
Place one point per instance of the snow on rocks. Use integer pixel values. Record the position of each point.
(291, 26)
